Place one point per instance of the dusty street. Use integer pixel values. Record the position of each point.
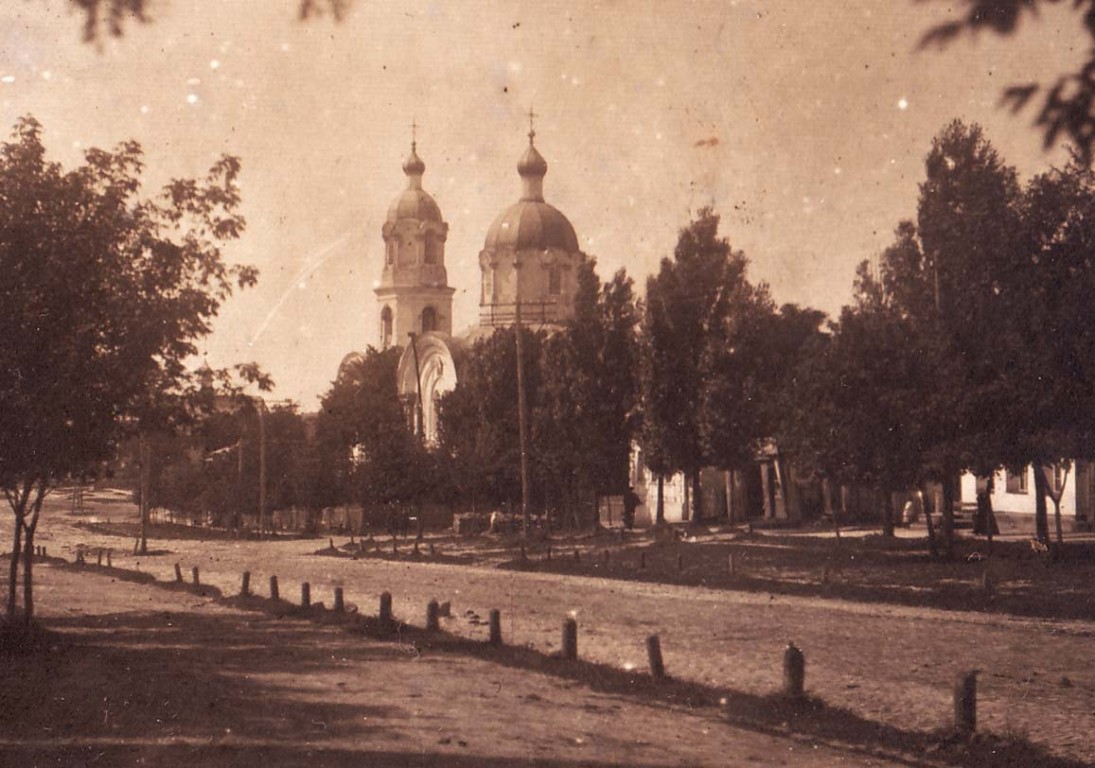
(889, 665)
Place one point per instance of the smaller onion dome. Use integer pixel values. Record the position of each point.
(414, 202)
(413, 165)
(532, 163)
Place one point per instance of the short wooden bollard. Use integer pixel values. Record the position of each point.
(432, 622)
(730, 563)
(385, 607)
(549, 553)
(433, 550)
(340, 605)
(570, 639)
(606, 556)
(577, 556)
(99, 560)
(43, 550)
(680, 562)
(416, 549)
(654, 655)
(642, 560)
(794, 672)
(274, 588)
(395, 547)
(524, 555)
(108, 563)
(965, 703)
(495, 627)
(331, 543)
(245, 584)
(305, 595)
(178, 573)
(194, 574)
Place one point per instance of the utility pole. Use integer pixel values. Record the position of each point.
(522, 420)
(262, 464)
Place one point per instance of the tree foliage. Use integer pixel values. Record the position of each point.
(109, 17)
(1067, 104)
(706, 373)
(104, 294)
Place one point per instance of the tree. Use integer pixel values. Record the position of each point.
(859, 399)
(968, 226)
(1052, 373)
(702, 335)
(103, 297)
(478, 427)
(585, 425)
(1068, 104)
(362, 431)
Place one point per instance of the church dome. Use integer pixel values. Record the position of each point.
(531, 224)
(414, 202)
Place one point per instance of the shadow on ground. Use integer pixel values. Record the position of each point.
(1020, 581)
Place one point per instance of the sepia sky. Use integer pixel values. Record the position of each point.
(803, 124)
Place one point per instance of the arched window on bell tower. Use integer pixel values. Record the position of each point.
(429, 320)
(385, 327)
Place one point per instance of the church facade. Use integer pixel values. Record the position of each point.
(528, 264)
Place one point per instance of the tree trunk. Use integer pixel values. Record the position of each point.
(728, 482)
(1041, 517)
(1057, 520)
(948, 512)
(13, 573)
(887, 514)
(146, 484)
(830, 510)
(697, 506)
(28, 577)
(659, 514)
(927, 505)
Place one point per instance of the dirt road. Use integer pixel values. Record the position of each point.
(894, 666)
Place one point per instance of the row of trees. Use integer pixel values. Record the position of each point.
(971, 347)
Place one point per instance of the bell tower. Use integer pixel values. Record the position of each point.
(414, 294)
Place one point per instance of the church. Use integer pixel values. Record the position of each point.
(528, 264)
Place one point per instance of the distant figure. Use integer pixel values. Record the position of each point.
(495, 522)
(631, 503)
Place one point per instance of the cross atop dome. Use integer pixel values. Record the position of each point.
(531, 130)
(413, 165)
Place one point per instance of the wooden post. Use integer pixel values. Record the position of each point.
(386, 607)
(245, 585)
(395, 546)
(194, 573)
(606, 556)
(570, 639)
(495, 627)
(642, 560)
(305, 595)
(965, 703)
(730, 563)
(340, 605)
(432, 622)
(549, 553)
(108, 563)
(654, 654)
(680, 562)
(577, 556)
(433, 550)
(794, 671)
(274, 588)
(99, 560)
(178, 573)
(524, 556)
